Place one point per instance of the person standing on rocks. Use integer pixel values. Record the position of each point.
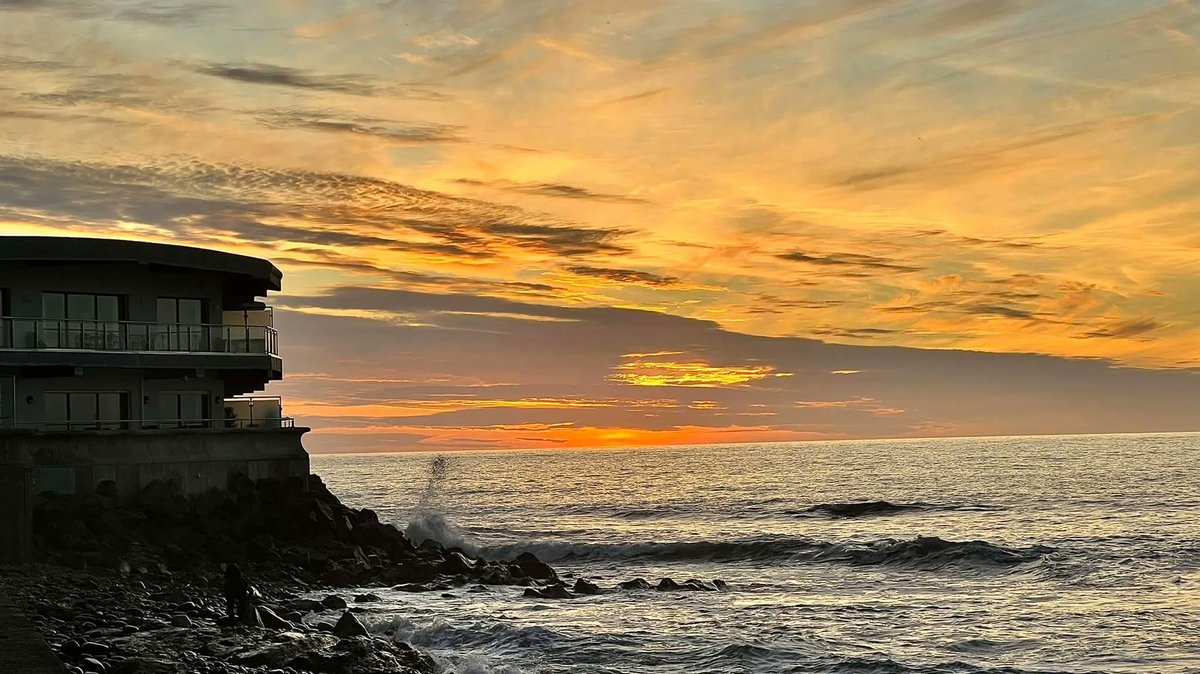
(237, 594)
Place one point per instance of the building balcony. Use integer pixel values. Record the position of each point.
(241, 413)
(53, 334)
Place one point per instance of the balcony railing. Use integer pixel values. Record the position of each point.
(42, 334)
(249, 412)
(150, 424)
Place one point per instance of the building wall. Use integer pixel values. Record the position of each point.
(145, 395)
(76, 463)
(195, 460)
(140, 286)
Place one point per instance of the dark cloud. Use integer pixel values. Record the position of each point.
(855, 333)
(158, 12)
(631, 276)
(852, 260)
(558, 239)
(549, 190)
(1126, 329)
(332, 122)
(766, 303)
(283, 76)
(201, 202)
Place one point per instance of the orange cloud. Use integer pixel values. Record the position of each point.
(697, 374)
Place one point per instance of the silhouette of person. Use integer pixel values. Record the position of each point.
(237, 594)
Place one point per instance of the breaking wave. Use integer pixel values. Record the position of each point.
(921, 552)
(879, 508)
(427, 522)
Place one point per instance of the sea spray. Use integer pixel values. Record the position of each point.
(427, 521)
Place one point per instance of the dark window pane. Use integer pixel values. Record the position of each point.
(191, 312)
(111, 410)
(167, 310)
(81, 307)
(191, 408)
(56, 408)
(108, 308)
(82, 407)
(54, 305)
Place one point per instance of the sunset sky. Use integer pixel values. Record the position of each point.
(580, 223)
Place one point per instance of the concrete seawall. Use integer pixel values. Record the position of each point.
(76, 463)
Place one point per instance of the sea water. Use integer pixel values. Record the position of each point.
(1005, 555)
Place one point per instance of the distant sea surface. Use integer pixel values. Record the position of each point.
(1002, 555)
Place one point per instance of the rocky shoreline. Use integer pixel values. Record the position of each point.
(136, 588)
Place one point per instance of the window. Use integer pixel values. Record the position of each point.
(180, 321)
(183, 409)
(100, 410)
(80, 321)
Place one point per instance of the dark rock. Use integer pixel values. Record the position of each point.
(93, 666)
(696, 584)
(635, 584)
(585, 587)
(333, 603)
(531, 566)
(456, 563)
(93, 648)
(721, 585)
(146, 665)
(348, 626)
(365, 598)
(667, 585)
(414, 571)
(556, 591)
(305, 605)
(181, 620)
(271, 620)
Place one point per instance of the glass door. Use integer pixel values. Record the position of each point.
(180, 321)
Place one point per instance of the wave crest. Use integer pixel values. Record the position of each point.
(881, 508)
(929, 552)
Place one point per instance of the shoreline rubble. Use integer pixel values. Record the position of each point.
(135, 588)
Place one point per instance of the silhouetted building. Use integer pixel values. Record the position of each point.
(130, 361)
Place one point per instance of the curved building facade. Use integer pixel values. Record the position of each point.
(128, 361)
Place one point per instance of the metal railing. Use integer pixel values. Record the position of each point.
(40, 334)
(246, 412)
(152, 424)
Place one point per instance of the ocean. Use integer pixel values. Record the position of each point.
(1004, 555)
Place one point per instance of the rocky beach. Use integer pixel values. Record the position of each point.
(136, 588)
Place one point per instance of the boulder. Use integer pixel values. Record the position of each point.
(720, 585)
(271, 620)
(455, 564)
(635, 584)
(348, 626)
(533, 567)
(667, 585)
(585, 587)
(333, 603)
(180, 620)
(365, 598)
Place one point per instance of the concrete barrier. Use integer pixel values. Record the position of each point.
(77, 462)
